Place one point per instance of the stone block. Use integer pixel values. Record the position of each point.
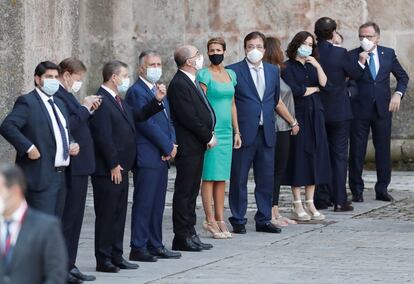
(394, 15)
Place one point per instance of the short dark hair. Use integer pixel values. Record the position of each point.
(273, 53)
(111, 68)
(254, 35)
(297, 41)
(72, 65)
(13, 175)
(42, 67)
(324, 28)
(370, 24)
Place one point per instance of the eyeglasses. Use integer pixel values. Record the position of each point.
(253, 46)
(366, 36)
(197, 54)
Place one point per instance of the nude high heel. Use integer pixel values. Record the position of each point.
(317, 216)
(213, 229)
(297, 214)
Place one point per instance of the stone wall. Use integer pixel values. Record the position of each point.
(100, 30)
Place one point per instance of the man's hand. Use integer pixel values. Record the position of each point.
(161, 92)
(34, 154)
(395, 103)
(116, 175)
(237, 141)
(174, 151)
(74, 149)
(212, 143)
(92, 101)
(295, 129)
(363, 57)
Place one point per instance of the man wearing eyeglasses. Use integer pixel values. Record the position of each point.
(373, 109)
(194, 122)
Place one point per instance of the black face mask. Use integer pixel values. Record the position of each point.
(216, 59)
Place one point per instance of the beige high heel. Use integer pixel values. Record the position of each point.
(317, 216)
(224, 229)
(213, 229)
(297, 214)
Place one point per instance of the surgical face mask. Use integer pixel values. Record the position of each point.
(199, 62)
(216, 59)
(50, 86)
(123, 87)
(304, 50)
(154, 74)
(366, 44)
(254, 55)
(76, 86)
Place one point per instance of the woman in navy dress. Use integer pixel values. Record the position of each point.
(308, 163)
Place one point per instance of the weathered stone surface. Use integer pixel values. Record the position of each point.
(391, 15)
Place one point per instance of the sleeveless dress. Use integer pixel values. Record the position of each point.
(217, 161)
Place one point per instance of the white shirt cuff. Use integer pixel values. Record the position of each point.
(211, 140)
(30, 149)
(398, 92)
(90, 111)
(362, 65)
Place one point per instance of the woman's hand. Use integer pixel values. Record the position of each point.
(313, 61)
(237, 141)
(295, 130)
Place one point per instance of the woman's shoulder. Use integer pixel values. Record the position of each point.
(232, 75)
(203, 75)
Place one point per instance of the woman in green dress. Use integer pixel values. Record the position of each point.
(218, 85)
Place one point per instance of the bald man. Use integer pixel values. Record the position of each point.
(194, 122)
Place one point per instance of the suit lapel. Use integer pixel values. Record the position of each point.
(45, 112)
(267, 79)
(151, 95)
(380, 59)
(245, 71)
(124, 111)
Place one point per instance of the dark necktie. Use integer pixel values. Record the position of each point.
(119, 101)
(61, 130)
(204, 98)
(7, 244)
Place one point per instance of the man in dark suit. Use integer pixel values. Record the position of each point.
(373, 108)
(337, 110)
(31, 243)
(257, 94)
(113, 131)
(37, 127)
(155, 139)
(194, 121)
(72, 72)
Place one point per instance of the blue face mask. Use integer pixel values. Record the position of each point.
(50, 86)
(154, 74)
(304, 51)
(124, 86)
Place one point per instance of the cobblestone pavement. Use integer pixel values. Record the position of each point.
(373, 244)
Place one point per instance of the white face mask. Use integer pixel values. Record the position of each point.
(366, 44)
(76, 86)
(199, 62)
(254, 55)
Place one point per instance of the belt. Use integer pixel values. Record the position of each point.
(60, 169)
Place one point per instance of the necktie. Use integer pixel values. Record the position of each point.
(119, 101)
(7, 244)
(154, 92)
(260, 86)
(61, 130)
(372, 67)
(201, 93)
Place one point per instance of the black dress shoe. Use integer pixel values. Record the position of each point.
(384, 197)
(239, 228)
(357, 197)
(142, 255)
(107, 267)
(198, 242)
(72, 279)
(163, 252)
(268, 228)
(321, 205)
(185, 244)
(76, 272)
(344, 208)
(123, 264)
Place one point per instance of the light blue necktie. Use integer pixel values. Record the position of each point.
(372, 67)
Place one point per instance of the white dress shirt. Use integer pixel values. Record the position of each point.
(109, 91)
(59, 160)
(253, 73)
(15, 226)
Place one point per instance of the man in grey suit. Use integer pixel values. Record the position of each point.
(31, 242)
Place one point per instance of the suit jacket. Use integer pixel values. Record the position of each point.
(156, 136)
(378, 92)
(84, 162)
(249, 105)
(29, 124)
(337, 66)
(113, 131)
(39, 255)
(192, 119)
